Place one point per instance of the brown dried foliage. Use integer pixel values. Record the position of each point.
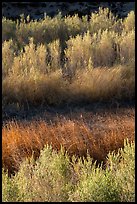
(22, 139)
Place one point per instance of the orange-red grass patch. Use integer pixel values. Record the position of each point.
(22, 139)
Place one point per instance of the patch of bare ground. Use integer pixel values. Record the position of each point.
(77, 131)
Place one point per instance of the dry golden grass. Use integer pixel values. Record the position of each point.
(100, 84)
(22, 139)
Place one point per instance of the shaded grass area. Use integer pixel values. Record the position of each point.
(98, 85)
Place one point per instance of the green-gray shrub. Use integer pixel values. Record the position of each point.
(54, 177)
(127, 46)
(31, 61)
(8, 54)
(8, 29)
(129, 22)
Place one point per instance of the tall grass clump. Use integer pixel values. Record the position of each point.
(54, 177)
(35, 90)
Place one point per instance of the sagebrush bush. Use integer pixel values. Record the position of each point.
(105, 186)
(54, 177)
(31, 61)
(78, 53)
(103, 19)
(8, 55)
(75, 25)
(127, 46)
(44, 31)
(8, 29)
(129, 22)
(105, 52)
(55, 55)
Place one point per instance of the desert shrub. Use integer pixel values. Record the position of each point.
(50, 178)
(30, 61)
(8, 187)
(55, 55)
(50, 29)
(105, 185)
(78, 53)
(34, 59)
(91, 52)
(54, 177)
(8, 54)
(105, 51)
(128, 172)
(102, 19)
(76, 25)
(127, 46)
(8, 29)
(23, 32)
(129, 22)
(96, 185)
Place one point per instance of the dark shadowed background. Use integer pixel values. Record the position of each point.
(37, 10)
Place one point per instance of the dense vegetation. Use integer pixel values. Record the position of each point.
(62, 60)
(65, 60)
(53, 177)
